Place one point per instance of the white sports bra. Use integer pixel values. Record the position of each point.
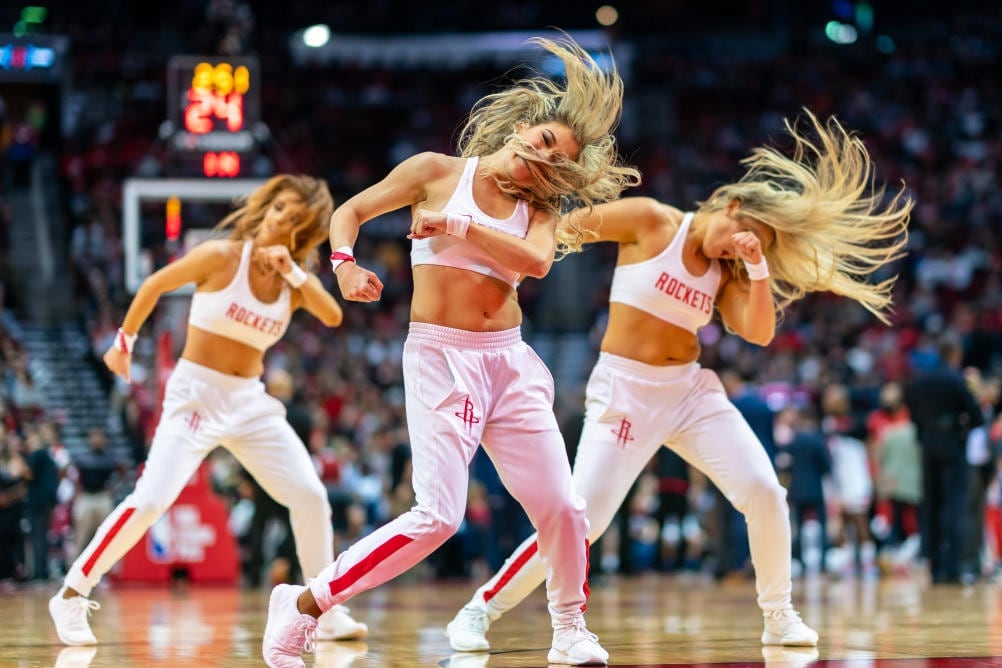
(449, 251)
(234, 311)
(663, 287)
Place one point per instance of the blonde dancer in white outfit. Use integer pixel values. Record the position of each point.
(788, 226)
(480, 222)
(247, 287)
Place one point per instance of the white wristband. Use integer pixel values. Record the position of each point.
(457, 225)
(125, 342)
(341, 255)
(758, 272)
(295, 276)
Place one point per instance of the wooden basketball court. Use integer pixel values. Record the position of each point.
(645, 621)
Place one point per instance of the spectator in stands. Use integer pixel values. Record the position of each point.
(675, 523)
(852, 481)
(897, 458)
(805, 461)
(41, 500)
(944, 411)
(981, 463)
(95, 472)
(14, 477)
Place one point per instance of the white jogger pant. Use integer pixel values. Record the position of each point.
(463, 389)
(631, 410)
(204, 408)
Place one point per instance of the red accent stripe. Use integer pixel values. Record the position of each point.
(108, 537)
(337, 255)
(512, 570)
(121, 342)
(356, 572)
(587, 589)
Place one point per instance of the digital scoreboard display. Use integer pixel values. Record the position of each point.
(213, 107)
(32, 58)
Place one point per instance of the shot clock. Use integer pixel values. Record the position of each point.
(213, 111)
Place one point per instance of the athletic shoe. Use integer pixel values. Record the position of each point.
(70, 618)
(575, 645)
(467, 631)
(337, 624)
(288, 632)
(784, 627)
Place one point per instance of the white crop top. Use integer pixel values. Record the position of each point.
(234, 311)
(664, 288)
(449, 251)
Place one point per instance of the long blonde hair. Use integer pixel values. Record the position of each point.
(307, 235)
(589, 104)
(833, 227)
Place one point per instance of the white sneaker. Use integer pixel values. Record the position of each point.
(288, 632)
(70, 618)
(575, 645)
(784, 627)
(75, 657)
(337, 624)
(467, 631)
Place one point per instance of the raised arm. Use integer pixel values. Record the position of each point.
(624, 220)
(532, 256)
(307, 291)
(195, 266)
(314, 298)
(405, 185)
(747, 307)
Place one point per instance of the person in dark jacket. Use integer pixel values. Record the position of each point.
(944, 411)
(40, 502)
(806, 461)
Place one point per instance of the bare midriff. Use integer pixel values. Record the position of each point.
(222, 354)
(463, 299)
(640, 336)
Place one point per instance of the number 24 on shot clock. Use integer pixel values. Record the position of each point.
(213, 103)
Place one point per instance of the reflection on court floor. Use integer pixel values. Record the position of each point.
(644, 622)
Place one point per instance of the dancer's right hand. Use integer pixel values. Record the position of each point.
(119, 362)
(357, 283)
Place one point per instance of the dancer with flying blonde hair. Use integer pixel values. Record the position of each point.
(481, 222)
(810, 222)
(247, 286)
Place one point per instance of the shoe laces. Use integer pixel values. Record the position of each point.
(80, 608)
(784, 615)
(578, 628)
(302, 637)
(310, 640)
(475, 619)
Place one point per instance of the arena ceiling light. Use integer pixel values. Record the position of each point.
(317, 35)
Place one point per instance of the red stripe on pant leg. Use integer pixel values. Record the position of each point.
(587, 589)
(512, 570)
(108, 537)
(371, 561)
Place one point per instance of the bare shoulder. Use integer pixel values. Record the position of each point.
(663, 221)
(668, 216)
(432, 165)
(218, 253)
